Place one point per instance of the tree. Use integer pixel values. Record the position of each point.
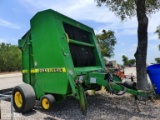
(158, 32)
(157, 60)
(106, 41)
(125, 60)
(10, 57)
(139, 8)
(132, 61)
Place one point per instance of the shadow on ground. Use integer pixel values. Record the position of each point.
(99, 107)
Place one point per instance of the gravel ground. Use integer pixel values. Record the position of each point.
(100, 107)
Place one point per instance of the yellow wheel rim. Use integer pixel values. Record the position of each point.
(18, 99)
(45, 103)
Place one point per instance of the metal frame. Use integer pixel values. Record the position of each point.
(4, 97)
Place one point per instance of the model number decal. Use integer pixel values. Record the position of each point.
(46, 70)
(51, 70)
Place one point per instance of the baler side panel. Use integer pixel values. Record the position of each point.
(25, 61)
(47, 54)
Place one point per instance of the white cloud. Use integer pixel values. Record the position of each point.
(129, 27)
(153, 22)
(87, 10)
(129, 23)
(122, 44)
(120, 54)
(132, 48)
(128, 32)
(99, 31)
(3, 40)
(121, 28)
(79, 10)
(8, 24)
(152, 47)
(153, 53)
(153, 37)
(134, 45)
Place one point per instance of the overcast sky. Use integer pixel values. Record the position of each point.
(15, 18)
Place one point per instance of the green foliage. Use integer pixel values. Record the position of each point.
(158, 31)
(106, 41)
(10, 57)
(157, 60)
(132, 61)
(126, 61)
(127, 8)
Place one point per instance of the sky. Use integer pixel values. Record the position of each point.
(15, 18)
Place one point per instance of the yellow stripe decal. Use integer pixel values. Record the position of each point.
(48, 70)
(24, 71)
(63, 69)
(34, 71)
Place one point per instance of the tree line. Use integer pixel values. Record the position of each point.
(10, 58)
(127, 61)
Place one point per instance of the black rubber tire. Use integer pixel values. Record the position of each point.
(51, 101)
(82, 99)
(28, 97)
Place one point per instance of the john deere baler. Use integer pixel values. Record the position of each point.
(60, 58)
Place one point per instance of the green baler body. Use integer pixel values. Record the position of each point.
(53, 57)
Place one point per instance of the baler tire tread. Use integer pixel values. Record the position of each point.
(28, 97)
(51, 101)
(83, 99)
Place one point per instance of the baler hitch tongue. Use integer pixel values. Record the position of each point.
(112, 86)
(120, 88)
